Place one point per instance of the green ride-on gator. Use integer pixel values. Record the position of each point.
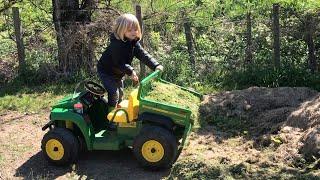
(155, 131)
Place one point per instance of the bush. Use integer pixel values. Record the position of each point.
(269, 77)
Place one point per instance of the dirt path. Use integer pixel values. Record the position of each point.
(256, 133)
(21, 156)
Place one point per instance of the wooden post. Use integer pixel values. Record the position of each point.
(19, 39)
(310, 29)
(139, 17)
(276, 36)
(249, 39)
(62, 54)
(188, 34)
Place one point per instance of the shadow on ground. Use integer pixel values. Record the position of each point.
(91, 165)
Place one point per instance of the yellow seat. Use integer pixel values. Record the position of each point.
(130, 106)
(124, 104)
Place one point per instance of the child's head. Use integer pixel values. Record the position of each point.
(127, 25)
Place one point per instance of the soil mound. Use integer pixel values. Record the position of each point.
(264, 109)
(255, 133)
(306, 115)
(286, 117)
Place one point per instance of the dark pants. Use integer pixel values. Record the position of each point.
(114, 88)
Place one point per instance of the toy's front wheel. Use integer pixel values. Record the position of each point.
(155, 147)
(60, 146)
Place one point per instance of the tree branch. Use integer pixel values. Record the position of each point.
(9, 5)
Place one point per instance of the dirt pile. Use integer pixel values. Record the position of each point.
(306, 115)
(289, 116)
(264, 109)
(311, 146)
(256, 133)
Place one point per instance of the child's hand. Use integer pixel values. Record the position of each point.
(134, 77)
(159, 67)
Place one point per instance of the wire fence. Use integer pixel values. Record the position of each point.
(160, 19)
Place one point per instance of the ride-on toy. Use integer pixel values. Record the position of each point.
(155, 131)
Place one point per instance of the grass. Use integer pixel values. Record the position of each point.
(27, 102)
(196, 167)
(171, 94)
(32, 99)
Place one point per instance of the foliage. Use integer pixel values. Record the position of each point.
(270, 77)
(194, 169)
(32, 98)
(219, 37)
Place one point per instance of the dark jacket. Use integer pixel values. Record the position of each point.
(117, 58)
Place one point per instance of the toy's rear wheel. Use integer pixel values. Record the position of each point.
(155, 147)
(60, 146)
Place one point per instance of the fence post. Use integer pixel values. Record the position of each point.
(276, 36)
(310, 29)
(139, 17)
(188, 34)
(249, 39)
(19, 39)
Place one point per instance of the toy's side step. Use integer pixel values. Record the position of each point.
(108, 139)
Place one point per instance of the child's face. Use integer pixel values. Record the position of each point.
(131, 33)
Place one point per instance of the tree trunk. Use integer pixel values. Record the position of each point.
(139, 17)
(310, 29)
(19, 40)
(276, 36)
(188, 34)
(75, 46)
(249, 39)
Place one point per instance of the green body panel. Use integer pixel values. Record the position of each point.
(178, 114)
(60, 114)
(68, 101)
(107, 140)
(116, 140)
(94, 130)
(129, 133)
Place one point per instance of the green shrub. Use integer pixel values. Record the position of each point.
(269, 77)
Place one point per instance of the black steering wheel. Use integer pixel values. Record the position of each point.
(94, 88)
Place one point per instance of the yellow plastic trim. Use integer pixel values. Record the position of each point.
(54, 149)
(120, 116)
(124, 103)
(131, 106)
(152, 151)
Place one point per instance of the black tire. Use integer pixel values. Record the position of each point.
(159, 136)
(82, 145)
(60, 146)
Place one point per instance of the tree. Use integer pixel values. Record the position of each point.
(75, 48)
(188, 34)
(310, 25)
(249, 39)
(19, 39)
(276, 35)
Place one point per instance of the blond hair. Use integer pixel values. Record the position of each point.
(124, 23)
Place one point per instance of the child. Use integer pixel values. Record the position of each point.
(115, 61)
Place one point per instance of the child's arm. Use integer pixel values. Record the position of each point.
(145, 57)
